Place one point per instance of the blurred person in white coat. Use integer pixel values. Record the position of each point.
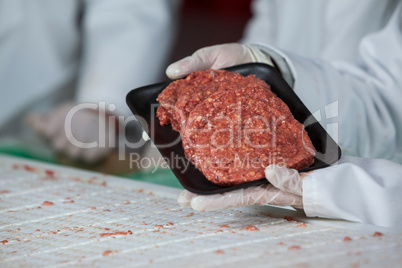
(344, 60)
(56, 54)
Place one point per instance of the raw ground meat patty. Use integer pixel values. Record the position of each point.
(182, 96)
(232, 126)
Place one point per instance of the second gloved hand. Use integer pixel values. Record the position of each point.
(217, 57)
(285, 189)
(86, 128)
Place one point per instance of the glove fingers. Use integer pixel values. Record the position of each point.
(202, 59)
(89, 140)
(287, 180)
(278, 197)
(180, 68)
(73, 141)
(269, 194)
(40, 124)
(228, 55)
(184, 198)
(53, 121)
(258, 195)
(213, 57)
(217, 201)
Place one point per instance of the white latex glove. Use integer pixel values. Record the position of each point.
(355, 189)
(85, 128)
(285, 189)
(217, 57)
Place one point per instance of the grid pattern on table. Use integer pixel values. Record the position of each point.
(51, 217)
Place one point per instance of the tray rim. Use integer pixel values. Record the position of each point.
(223, 189)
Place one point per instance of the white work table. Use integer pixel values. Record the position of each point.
(55, 216)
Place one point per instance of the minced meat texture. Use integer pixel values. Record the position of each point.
(233, 135)
(232, 126)
(168, 99)
(182, 96)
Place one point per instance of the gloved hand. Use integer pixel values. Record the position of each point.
(354, 189)
(85, 128)
(217, 57)
(285, 189)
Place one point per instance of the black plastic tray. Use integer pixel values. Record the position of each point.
(143, 104)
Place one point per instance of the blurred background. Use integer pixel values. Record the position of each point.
(209, 22)
(200, 23)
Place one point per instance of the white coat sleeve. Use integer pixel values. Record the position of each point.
(126, 44)
(357, 189)
(367, 94)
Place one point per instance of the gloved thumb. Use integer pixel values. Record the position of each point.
(285, 179)
(183, 67)
(212, 57)
(184, 198)
(217, 57)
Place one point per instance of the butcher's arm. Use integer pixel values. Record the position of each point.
(357, 189)
(364, 98)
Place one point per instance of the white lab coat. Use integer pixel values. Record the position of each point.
(83, 50)
(344, 60)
